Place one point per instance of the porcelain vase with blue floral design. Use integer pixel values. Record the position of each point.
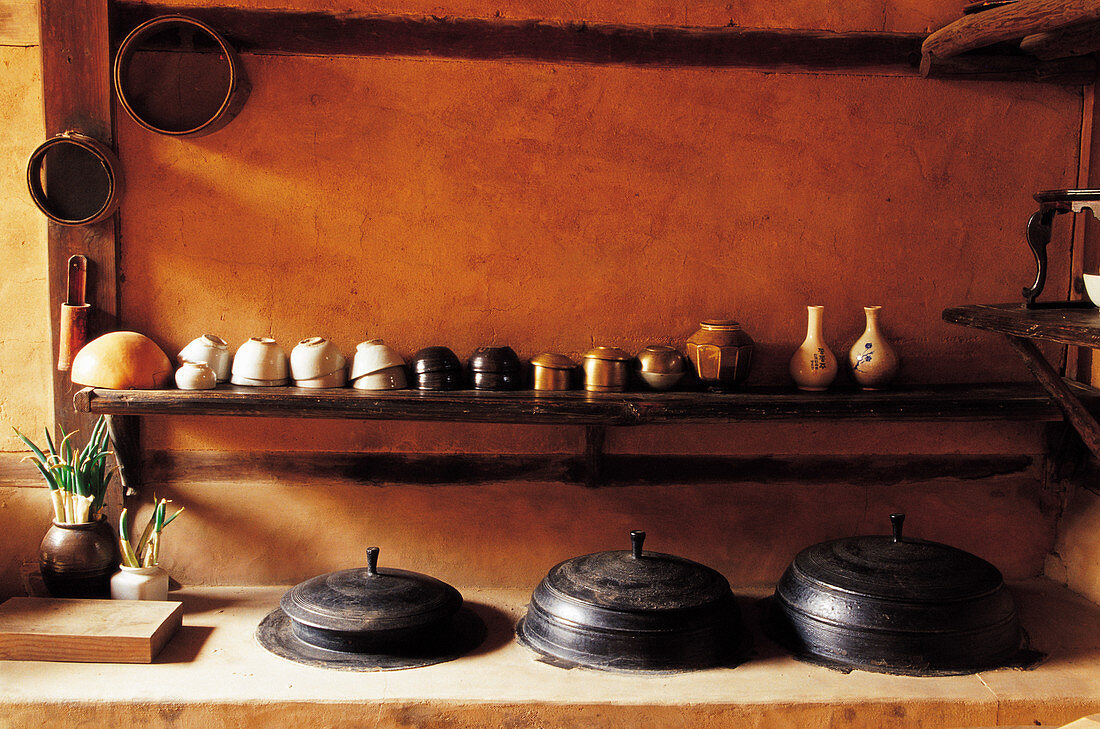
(874, 361)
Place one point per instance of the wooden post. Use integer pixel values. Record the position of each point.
(76, 86)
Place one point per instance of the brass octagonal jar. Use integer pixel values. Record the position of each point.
(721, 353)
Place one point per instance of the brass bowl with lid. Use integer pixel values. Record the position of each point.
(551, 371)
(606, 369)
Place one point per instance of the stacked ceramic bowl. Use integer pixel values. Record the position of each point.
(212, 350)
(260, 362)
(377, 367)
(436, 368)
(494, 368)
(318, 363)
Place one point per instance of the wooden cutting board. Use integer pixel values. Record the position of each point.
(86, 631)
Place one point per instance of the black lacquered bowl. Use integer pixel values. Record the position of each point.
(436, 368)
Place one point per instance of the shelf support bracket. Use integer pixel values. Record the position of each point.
(123, 431)
(594, 438)
(1076, 413)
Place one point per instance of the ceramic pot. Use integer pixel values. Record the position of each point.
(874, 362)
(210, 349)
(196, 376)
(813, 366)
(77, 560)
(139, 583)
(721, 352)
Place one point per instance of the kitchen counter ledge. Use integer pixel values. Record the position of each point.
(213, 673)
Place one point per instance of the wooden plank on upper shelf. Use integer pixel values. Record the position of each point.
(932, 402)
(341, 33)
(1078, 327)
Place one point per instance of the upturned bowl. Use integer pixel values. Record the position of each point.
(211, 349)
(260, 359)
(436, 368)
(122, 361)
(372, 356)
(314, 358)
(339, 378)
(390, 378)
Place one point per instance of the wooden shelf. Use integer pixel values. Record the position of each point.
(932, 402)
(1073, 324)
(1079, 327)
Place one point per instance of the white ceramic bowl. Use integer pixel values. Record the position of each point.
(339, 378)
(210, 349)
(262, 359)
(390, 378)
(195, 376)
(1092, 287)
(249, 382)
(315, 357)
(374, 355)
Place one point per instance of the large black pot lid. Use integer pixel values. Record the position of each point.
(634, 580)
(898, 568)
(368, 599)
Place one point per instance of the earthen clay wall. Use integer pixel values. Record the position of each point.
(555, 207)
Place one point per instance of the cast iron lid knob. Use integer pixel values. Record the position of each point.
(897, 568)
(368, 599)
(634, 580)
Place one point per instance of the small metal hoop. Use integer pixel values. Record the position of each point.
(237, 90)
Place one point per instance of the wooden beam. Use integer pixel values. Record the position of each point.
(76, 81)
(1073, 40)
(230, 468)
(1007, 23)
(336, 34)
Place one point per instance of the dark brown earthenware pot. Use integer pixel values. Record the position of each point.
(77, 560)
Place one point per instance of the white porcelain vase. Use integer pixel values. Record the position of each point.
(874, 361)
(813, 366)
(139, 583)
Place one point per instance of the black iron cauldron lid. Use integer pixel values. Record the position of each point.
(364, 600)
(898, 568)
(615, 589)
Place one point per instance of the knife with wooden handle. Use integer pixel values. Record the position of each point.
(74, 313)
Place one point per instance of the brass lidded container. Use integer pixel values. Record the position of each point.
(606, 369)
(721, 352)
(550, 371)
